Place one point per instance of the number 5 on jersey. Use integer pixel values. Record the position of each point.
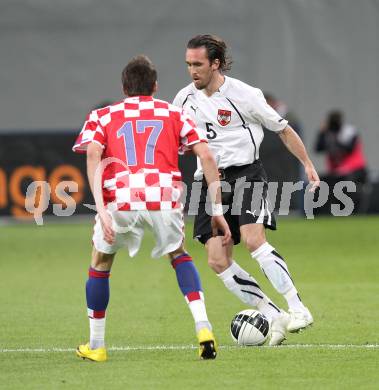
(126, 132)
(211, 134)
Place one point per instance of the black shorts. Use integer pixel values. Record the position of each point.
(245, 193)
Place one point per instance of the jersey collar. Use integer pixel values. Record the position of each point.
(221, 89)
(224, 85)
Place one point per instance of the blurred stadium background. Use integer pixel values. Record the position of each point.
(60, 59)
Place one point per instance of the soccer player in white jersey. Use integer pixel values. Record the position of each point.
(132, 164)
(232, 113)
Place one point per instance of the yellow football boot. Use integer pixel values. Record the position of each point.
(97, 355)
(208, 345)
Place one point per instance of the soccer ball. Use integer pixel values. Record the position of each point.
(249, 327)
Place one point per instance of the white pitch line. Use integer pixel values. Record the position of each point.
(187, 347)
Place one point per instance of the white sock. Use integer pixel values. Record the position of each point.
(246, 288)
(97, 332)
(203, 324)
(294, 301)
(199, 313)
(268, 309)
(275, 268)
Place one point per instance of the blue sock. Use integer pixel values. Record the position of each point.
(97, 293)
(190, 285)
(186, 274)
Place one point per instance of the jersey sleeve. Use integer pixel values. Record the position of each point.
(264, 113)
(182, 96)
(189, 133)
(92, 131)
(178, 100)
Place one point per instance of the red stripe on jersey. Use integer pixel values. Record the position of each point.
(147, 112)
(99, 138)
(193, 296)
(103, 111)
(160, 104)
(192, 136)
(152, 179)
(153, 206)
(131, 106)
(166, 194)
(137, 195)
(124, 206)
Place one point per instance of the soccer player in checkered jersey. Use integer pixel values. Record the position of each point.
(132, 165)
(233, 113)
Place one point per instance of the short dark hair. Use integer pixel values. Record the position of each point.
(139, 77)
(216, 49)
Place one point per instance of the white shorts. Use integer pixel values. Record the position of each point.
(129, 226)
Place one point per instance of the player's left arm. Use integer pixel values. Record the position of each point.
(295, 145)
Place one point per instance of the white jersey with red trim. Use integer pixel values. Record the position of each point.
(232, 119)
(144, 135)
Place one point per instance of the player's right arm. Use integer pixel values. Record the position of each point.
(210, 170)
(94, 153)
(91, 141)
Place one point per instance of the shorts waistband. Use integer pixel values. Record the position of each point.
(230, 171)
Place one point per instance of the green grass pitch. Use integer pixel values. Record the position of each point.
(43, 270)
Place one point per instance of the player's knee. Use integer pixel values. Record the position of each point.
(215, 264)
(177, 252)
(252, 243)
(218, 263)
(102, 261)
(218, 259)
(253, 236)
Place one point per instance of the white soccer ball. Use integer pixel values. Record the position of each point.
(249, 327)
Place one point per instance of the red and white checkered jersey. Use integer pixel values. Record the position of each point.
(144, 135)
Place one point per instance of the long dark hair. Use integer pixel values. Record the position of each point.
(216, 49)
